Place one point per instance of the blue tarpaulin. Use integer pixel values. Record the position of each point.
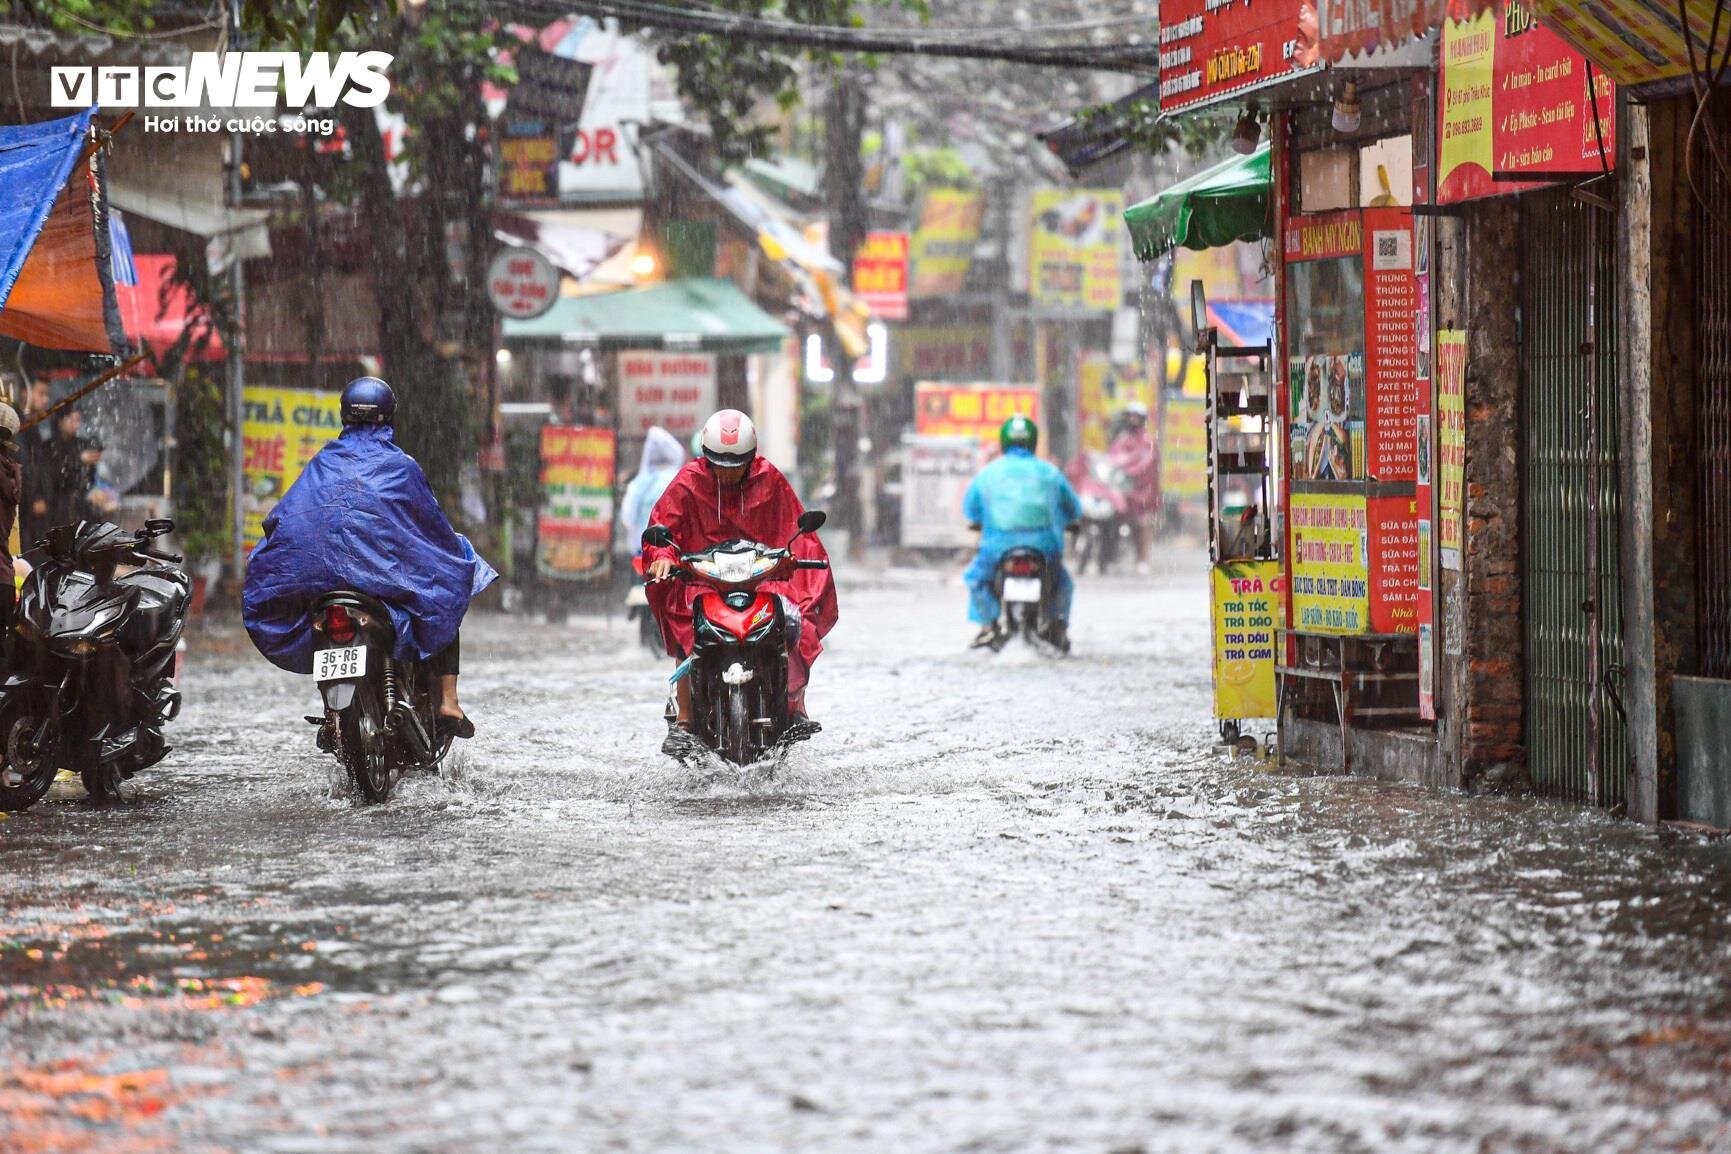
(362, 517)
(35, 162)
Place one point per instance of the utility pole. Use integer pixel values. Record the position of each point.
(844, 175)
(236, 361)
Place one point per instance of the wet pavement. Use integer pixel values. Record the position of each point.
(1001, 904)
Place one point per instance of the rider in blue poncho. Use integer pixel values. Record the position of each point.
(1018, 500)
(362, 516)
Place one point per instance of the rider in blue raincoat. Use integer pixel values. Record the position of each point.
(362, 516)
(663, 457)
(1018, 500)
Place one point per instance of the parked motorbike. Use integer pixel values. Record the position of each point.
(93, 661)
(381, 713)
(637, 609)
(738, 663)
(1026, 588)
(1104, 490)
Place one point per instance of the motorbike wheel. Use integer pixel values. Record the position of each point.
(17, 725)
(649, 632)
(733, 731)
(1088, 548)
(363, 746)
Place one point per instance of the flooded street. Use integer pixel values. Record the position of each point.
(1000, 904)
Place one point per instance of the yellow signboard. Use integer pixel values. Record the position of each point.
(1105, 390)
(282, 430)
(1076, 247)
(943, 245)
(1246, 606)
(1330, 570)
(1184, 449)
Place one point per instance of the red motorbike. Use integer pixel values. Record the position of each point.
(740, 638)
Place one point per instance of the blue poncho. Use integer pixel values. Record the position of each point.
(1019, 499)
(362, 517)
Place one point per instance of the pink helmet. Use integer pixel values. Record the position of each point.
(729, 439)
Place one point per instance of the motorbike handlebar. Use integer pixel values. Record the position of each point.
(160, 555)
(804, 563)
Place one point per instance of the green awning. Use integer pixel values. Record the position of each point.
(698, 314)
(1212, 208)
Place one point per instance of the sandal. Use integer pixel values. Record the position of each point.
(454, 727)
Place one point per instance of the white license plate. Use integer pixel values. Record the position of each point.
(1021, 589)
(637, 595)
(340, 664)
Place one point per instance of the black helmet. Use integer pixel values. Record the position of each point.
(368, 401)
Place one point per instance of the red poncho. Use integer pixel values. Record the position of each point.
(699, 511)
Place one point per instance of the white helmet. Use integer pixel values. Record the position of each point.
(8, 422)
(729, 439)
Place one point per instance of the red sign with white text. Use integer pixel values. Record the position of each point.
(880, 274)
(1392, 525)
(1210, 49)
(1390, 345)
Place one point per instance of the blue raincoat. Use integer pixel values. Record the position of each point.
(663, 457)
(361, 516)
(1017, 500)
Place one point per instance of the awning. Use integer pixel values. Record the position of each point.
(56, 287)
(699, 314)
(1639, 42)
(576, 240)
(1225, 203)
(155, 311)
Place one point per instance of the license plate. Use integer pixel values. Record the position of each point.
(340, 664)
(637, 595)
(1021, 589)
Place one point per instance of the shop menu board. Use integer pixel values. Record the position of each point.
(1211, 49)
(281, 430)
(1513, 102)
(1246, 605)
(1076, 247)
(574, 529)
(1330, 569)
(1451, 363)
(1391, 350)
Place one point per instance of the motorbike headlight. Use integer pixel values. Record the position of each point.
(106, 622)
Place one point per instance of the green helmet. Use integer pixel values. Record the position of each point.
(1019, 433)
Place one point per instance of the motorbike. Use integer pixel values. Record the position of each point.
(92, 679)
(1026, 588)
(738, 663)
(1103, 489)
(637, 609)
(381, 712)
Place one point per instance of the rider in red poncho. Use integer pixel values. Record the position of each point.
(731, 492)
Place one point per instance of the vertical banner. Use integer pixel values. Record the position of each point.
(1424, 440)
(1330, 574)
(1394, 550)
(1451, 381)
(1246, 605)
(942, 249)
(1103, 391)
(1076, 248)
(1391, 357)
(880, 274)
(281, 431)
(1184, 449)
(574, 529)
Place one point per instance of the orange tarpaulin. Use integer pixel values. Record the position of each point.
(59, 300)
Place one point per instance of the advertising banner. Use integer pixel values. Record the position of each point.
(1328, 403)
(1246, 605)
(280, 432)
(1393, 564)
(1424, 455)
(950, 352)
(1184, 449)
(528, 162)
(880, 274)
(1103, 391)
(1513, 103)
(1451, 435)
(1076, 247)
(674, 390)
(1330, 572)
(974, 410)
(1391, 345)
(935, 474)
(574, 529)
(942, 249)
(1213, 49)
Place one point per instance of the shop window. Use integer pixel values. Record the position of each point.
(1385, 173)
(1325, 311)
(1325, 180)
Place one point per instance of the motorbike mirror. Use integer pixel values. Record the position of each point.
(812, 520)
(157, 526)
(658, 535)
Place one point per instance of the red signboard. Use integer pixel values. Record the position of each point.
(1392, 525)
(1211, 49)
(1390, 345)
(880, 274)
(1324, 236)
(1514, 102)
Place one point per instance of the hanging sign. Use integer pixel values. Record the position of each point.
(574, 528)
(528, 162)
(281, 431)
(943, 245)
(1246, 605)
(973, 410)
(1451, 369)
(522, 283)
(1514, 102)
(1076, 248)
(880, 274)
(674, 390)
(1214, 49)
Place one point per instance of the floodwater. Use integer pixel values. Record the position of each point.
(1000, 904)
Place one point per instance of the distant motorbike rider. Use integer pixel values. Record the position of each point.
(731, 492)
(1018, 501)
(663, 456)
(1133, 451)
(363, 517)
